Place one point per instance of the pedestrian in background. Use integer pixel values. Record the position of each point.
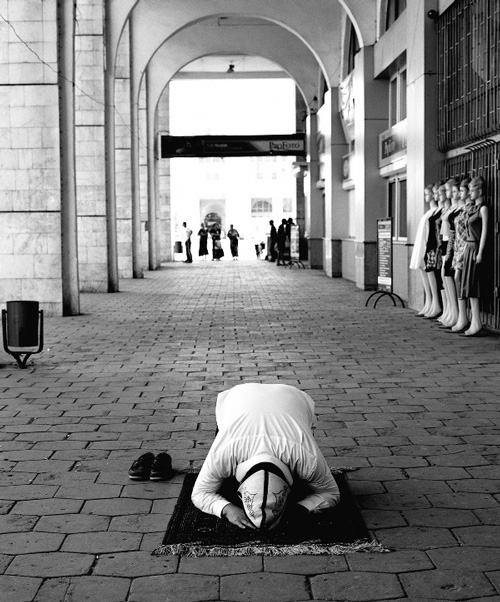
(187, 242)
(281, 242)
(233, 236)
(203, 234)
(274, 241)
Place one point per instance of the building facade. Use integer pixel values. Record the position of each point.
(395, 94)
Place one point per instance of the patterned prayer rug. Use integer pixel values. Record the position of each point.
(339, 530)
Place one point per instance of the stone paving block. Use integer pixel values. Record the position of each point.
(305, 565)
(101, 542)
(89, 491)
(418, 538)
(467, 558)
(72, 523)
(217, 566)
(479, 536)
(117, 506)
(447, 584)
(27, 492)
(380, 519)
(22, 543)
(436, 517)
(174, 588)
(356, 587)
(18, 589)
(83, 588)
(463, 500)
(11, 524)
(138, 523)
(272, 587)
(136, 564)
(56, 564)
(47, 507)
(393, 562)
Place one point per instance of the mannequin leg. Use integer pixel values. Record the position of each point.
(476, 323)
(462, 321)
(435, 309)
(427, 293)
(452, 315)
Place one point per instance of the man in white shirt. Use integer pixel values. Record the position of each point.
(265, 441)
(187, 239)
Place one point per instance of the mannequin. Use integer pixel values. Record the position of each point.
(443, 234)
(465, 203)
(417, 261)
(477, 228)
(450, 317)
(431, 256)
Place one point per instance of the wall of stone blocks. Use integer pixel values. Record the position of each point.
(90, 165)
(30, 238)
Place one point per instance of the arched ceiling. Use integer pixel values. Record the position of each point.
(317, 22)
(208, 37)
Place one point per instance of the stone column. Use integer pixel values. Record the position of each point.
(151, 167)
(370, 202)
(109, 144)
(69, 235)
(422, 155)
(315, 218)
(135, 164)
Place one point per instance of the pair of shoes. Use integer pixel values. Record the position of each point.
(148, 466)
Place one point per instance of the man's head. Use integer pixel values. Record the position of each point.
(264, 487)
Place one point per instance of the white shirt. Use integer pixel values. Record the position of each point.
(187, 233)
(257, 419)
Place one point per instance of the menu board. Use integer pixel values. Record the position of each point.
(384, 250)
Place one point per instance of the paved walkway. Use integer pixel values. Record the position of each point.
(413, 407)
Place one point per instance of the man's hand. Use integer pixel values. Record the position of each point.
(237, 516)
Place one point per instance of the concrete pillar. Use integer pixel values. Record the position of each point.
(69, 236)
(422, 155)
(135, 164)
(370, 202)
(152, 179)
(336, 207)
(315, 212)
(109, 143)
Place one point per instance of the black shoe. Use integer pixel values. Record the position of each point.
(141, 468)
(162, 468)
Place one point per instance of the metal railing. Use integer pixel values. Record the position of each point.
(468, 72)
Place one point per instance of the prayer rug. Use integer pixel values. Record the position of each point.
(339, 530)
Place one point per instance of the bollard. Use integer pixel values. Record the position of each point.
(22, 324)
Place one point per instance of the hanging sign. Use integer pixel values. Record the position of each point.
(232, 146)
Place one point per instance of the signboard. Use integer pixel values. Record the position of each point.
(294, 243)
(392, 144)
(384, 250)
(232, 146)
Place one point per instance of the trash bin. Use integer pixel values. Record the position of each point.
(22, 323)
(178, 246)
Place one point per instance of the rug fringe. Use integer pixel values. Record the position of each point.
(310, 549)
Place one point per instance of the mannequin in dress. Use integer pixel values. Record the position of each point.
(431, 255)
(442, 226)
(477, 228)
(465, 203)
(450, 316)
(417, 261)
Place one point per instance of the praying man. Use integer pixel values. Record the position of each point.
(265, 441)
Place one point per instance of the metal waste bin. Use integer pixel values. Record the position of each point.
(178, 246)
(22, 324)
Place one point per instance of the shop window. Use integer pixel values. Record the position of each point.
(393, 11)
(397, 207)
(261, 206)
(397, 97)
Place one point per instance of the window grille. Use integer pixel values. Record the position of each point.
(482, 160)
(468, 72)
